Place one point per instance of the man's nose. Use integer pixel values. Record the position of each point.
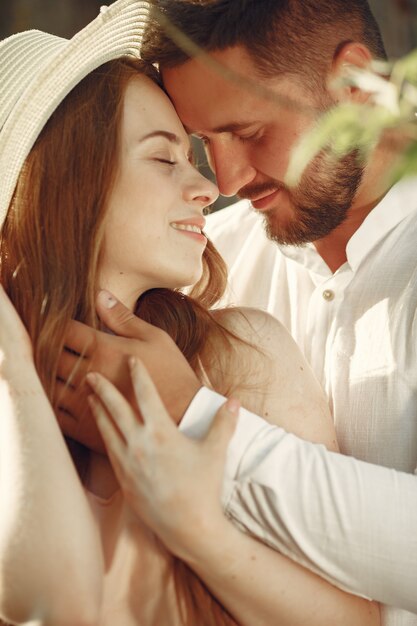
(231, 166)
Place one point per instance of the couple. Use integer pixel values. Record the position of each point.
(113, 156)
(101, 193)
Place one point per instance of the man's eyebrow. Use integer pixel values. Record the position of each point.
(172, 137)
(231, 127)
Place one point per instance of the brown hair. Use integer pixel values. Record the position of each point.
(50, 247)
(281, 36)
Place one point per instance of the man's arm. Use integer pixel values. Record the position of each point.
(351, 522)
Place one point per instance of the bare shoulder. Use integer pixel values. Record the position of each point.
(267, 371)
(244, 317)
(261, 337)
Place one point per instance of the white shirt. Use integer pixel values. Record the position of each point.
(352, 520)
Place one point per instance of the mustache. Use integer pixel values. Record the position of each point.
(259, 190)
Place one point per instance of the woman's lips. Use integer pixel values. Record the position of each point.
(192, 230)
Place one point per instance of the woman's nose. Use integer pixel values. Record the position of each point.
(201, 190)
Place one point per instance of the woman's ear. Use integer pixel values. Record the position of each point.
(349, 56)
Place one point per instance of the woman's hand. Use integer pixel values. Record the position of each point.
(16, 352)
(173, 483)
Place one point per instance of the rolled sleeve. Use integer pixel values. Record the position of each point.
(351, 522)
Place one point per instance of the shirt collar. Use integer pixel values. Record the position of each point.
(398, 203)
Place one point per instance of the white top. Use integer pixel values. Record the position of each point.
(352, 522)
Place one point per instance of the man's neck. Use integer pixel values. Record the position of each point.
(332, 248)
(375, 185)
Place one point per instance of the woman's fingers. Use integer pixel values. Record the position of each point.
(149, 401)
(223, 426)
(115, 403)
(111, 437)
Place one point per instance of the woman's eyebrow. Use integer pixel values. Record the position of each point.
(172, 137)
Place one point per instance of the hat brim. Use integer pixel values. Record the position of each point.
(116, 32)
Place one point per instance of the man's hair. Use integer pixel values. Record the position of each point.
(281, 36)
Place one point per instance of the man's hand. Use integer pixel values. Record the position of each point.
(87, 349)
(172, 483)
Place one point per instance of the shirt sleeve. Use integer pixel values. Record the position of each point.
(351, 522)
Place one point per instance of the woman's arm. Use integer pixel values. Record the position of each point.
(173, 483)
(50, 557)
(260, 586)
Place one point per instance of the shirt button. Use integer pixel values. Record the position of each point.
(328, 295)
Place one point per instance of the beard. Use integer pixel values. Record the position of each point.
(319, 204)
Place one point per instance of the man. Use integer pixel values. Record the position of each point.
(341, 278)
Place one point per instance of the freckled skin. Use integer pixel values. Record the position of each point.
(156, 185)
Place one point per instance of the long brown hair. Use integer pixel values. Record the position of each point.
(50, 248)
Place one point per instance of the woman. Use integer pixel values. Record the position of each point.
(100, 193)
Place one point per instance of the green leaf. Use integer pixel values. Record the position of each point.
(342, 129)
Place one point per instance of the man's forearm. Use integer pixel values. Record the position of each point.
(349, 521)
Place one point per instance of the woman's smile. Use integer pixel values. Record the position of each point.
(192, 227)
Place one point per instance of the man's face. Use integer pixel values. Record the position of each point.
(249, 138)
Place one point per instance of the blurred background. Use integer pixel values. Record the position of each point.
(397, 19)
(60, 17)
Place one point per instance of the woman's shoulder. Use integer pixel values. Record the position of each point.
(244, 357)
(267, 371)
(256, 331)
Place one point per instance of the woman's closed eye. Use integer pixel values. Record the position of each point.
(165, 160)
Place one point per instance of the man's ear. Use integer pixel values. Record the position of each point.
(351, 55)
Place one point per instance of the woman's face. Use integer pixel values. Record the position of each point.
(153, 225)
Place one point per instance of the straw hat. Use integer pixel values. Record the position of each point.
(37, 71)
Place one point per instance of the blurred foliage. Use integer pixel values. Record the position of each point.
(392, 106)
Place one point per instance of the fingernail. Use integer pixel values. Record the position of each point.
(91, 378)
(233, 406)
(107, 299)
(132, 362)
